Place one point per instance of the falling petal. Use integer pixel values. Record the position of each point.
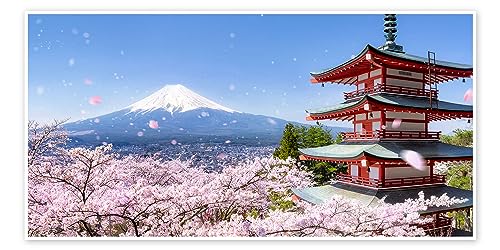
(173, 142)
(232, 35)
(87, 81)
(71, 62)
(140, 133)
(95, 100)
(468, 95)
(96, 120)
(232, 87)
(396, 123)
(205, 114)
(228, 141)
(153, 124)
(413, 159)
(86, 35)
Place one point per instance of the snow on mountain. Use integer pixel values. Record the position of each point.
(197, 119)
(175, 98)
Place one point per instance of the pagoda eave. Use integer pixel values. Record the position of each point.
(372, 58)
(439, 110)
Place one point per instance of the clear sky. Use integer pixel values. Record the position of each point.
(251, 63)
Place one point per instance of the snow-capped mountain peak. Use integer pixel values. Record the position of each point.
(175, 98)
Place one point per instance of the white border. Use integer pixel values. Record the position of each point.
(107, 12)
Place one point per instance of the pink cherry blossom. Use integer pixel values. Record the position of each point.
(468, 96)
(95, 100)
(414, 159)
(153, 124)
(93, 192)
(140, 133)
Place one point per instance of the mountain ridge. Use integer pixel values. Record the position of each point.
(176, 114)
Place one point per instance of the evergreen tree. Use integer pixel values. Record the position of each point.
(295, 137)
(289, 144)
(460, 175)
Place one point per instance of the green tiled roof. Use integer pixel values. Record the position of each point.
(395, 100)
(388, 150)
(371, 197)
(398, 55)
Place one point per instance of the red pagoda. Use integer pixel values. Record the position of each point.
(395, 99)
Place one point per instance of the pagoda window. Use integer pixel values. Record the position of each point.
(375, 72)
(361, 85)
(354, 170)
(373, 173)
(403, 115)
(376, 125)
(363, 77)
(406, 126)
(360, 117)
(404, 83)
(358, 127)
(405, 172)
(377, 81)
(405, 74)
(374, 115)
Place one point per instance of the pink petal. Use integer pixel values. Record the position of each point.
(173, 142)
(413, 159)
(95, 100)
(396, 123)
(468, 95)
(87, 81)
(140, 133)
(153, 124)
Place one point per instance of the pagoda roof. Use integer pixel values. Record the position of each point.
(371, 197)
(363, 63)
(392, 100)
(390, 150)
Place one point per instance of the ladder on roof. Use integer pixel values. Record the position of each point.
(432, 79)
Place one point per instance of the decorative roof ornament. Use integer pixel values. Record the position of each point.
(390, 30)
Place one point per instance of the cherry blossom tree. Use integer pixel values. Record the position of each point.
(93, 192)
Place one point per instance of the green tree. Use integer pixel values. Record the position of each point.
(295, 137)
(289, 144)
(460, 175)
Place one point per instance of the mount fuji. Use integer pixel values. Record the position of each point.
(175, 114)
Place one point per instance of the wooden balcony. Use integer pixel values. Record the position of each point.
(359, 180)
(414, 181)
(389, 134)
(394, 182)
(391, 89)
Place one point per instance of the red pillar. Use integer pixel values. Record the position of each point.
(381, 174)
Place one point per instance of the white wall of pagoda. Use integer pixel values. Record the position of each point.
(411, 121)
(403, 78)
(404, 172)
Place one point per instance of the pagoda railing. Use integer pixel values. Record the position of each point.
(389, 134)
(393, 182)
(391, 89)
(412, 181)
(359, 180)
(366, 135)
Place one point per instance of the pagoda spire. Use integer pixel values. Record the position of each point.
(390, 30)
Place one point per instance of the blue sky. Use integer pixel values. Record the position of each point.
(252, 63)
